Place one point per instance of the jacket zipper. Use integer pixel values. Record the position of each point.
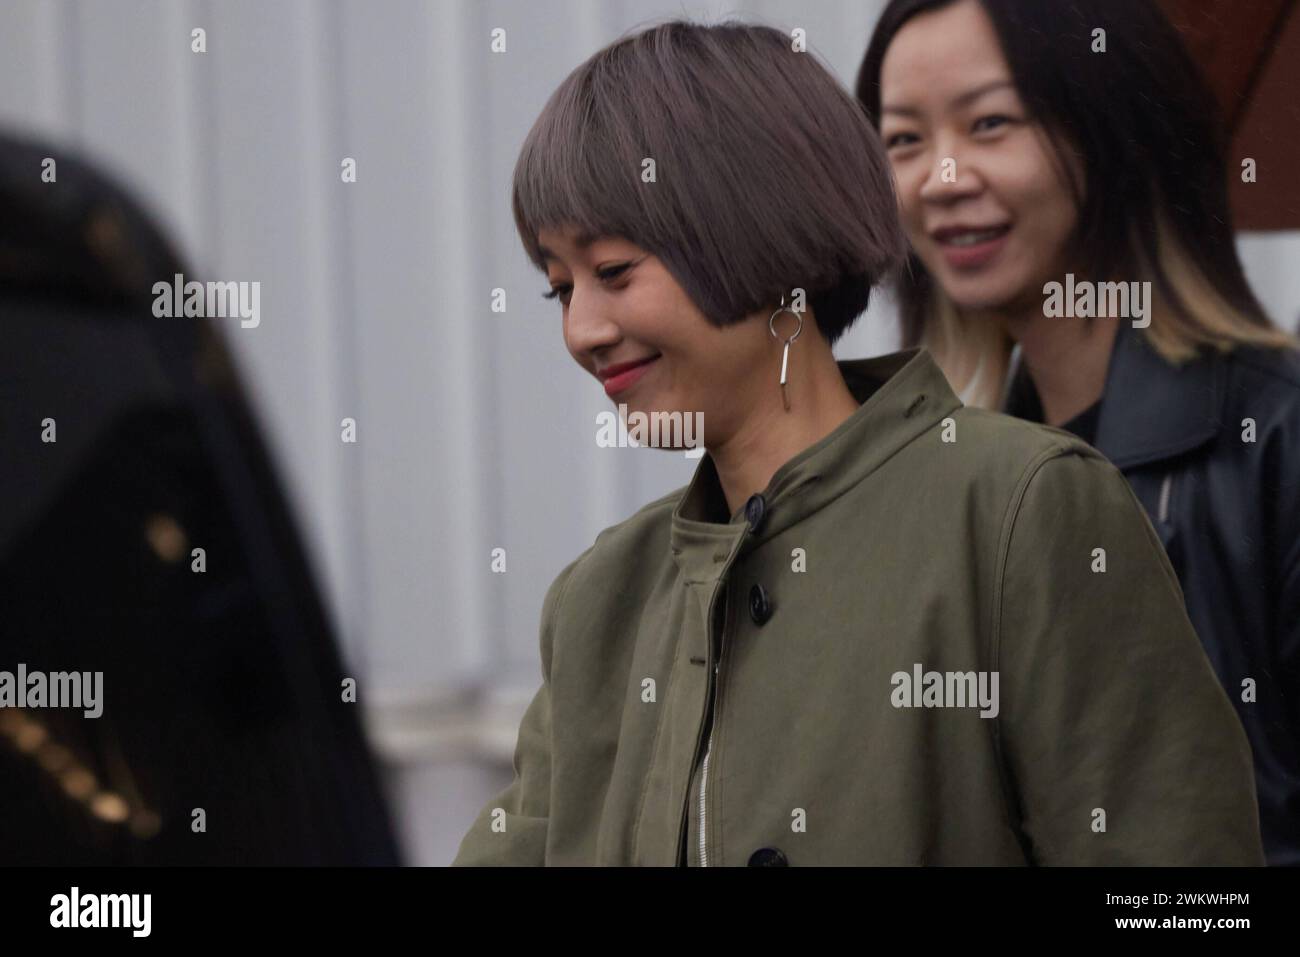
(708, 748)
(704, 767)
(704, 780)
(1162, 509)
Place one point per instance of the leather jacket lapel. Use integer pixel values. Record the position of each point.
(1151, 410)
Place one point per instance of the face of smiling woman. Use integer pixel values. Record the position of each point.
(995, 234)
(623, 310)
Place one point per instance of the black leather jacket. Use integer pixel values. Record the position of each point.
(1228, 511)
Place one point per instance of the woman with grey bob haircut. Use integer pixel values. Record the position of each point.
(804, 198)
(876, 627)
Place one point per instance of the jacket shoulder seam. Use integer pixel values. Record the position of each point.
(1041, 458)
(669, 498)
(1054, 451)
(567, 575)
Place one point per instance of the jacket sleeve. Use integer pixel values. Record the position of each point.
(511, 829)
(1120, 745)
(1284, 492)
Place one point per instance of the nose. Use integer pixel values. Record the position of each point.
(588, 327)
(951, 177)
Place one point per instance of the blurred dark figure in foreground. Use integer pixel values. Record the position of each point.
(224, 737)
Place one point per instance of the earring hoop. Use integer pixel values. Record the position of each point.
(785, 353)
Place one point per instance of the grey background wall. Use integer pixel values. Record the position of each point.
(475, 429)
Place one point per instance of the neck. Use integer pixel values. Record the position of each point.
(770, 436)
(1066, 357)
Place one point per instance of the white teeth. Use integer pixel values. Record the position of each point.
(970, 239)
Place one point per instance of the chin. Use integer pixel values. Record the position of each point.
(988, 293)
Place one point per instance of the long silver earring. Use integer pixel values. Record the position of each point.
(785, 353)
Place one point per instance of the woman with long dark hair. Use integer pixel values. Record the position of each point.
(1062, 180)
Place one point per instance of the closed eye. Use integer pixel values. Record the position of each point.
(611, 272)
(606, 274)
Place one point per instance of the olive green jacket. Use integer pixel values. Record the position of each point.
(757, 689)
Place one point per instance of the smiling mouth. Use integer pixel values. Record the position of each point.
(618, 369)
(625, 375)
(972, 237)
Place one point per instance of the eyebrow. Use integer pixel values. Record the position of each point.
(583, 240)
(956, 102)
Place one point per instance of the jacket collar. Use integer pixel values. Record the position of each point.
(902, 395)
(1151, 410)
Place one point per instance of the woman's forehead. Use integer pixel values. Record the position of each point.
(955, 45)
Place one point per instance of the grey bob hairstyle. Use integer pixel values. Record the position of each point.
(767, 175)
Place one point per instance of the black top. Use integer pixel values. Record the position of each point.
(1084, 425)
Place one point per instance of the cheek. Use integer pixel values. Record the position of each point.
(1060, 218)
(1040, 200)
(1047, 235)
(670, 321)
